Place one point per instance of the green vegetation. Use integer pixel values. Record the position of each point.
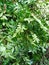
(24, 32)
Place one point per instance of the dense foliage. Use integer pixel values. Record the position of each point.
(24, 31)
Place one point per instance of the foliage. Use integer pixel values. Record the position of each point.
(24, 31)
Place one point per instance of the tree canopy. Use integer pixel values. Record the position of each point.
(24, 31)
